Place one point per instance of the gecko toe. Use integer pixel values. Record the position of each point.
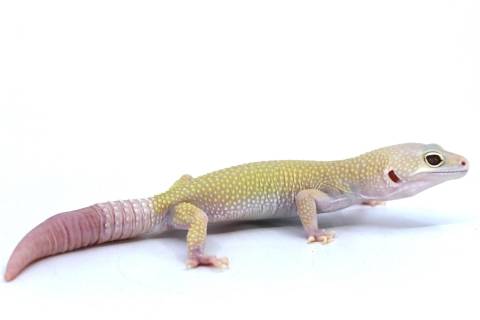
(209, 261)
(321, 236)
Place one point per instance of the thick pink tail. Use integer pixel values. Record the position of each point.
(81, 228)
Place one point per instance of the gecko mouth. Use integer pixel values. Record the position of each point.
(453, 171)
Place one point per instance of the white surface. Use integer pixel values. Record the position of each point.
(106, 100)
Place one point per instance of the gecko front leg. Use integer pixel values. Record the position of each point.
(373, 203)
(187, 216)
(307, 202)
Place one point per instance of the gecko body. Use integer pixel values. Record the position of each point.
(262, 190)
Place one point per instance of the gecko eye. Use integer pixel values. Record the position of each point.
(434, 159)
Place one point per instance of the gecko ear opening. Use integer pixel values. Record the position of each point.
(393, 176)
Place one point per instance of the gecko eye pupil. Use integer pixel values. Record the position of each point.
(434, 159)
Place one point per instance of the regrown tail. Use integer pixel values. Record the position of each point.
(82, 228)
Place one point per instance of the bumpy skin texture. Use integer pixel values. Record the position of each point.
(274, 189)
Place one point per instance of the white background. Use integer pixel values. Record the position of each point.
(106, 100)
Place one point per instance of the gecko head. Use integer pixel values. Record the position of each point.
(410, 168)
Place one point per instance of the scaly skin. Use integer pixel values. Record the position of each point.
(274, 189)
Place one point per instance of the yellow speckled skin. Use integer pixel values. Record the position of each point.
(287, 188)
(196, 220)
(245, 191)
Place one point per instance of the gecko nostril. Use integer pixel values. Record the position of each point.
(463, 163)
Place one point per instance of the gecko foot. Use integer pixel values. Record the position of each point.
(202, 260)
(322, 236)
(373, 203)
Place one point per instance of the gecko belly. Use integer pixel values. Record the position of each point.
(251, 212)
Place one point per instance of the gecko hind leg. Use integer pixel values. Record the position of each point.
(187, 216)
(307, 202)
